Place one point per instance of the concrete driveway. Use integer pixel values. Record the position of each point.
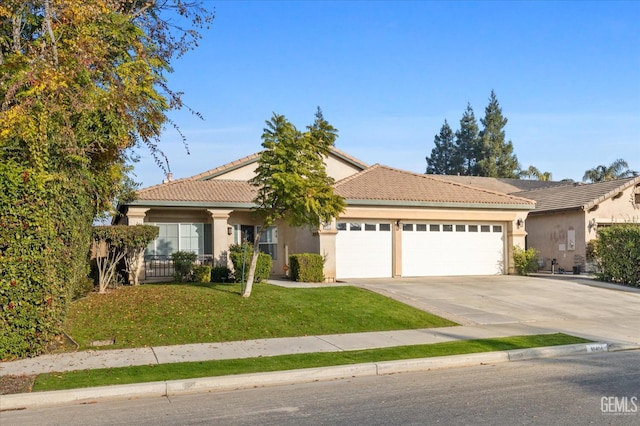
(564, 303)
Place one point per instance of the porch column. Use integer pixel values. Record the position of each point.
(327, 249)
(220, 238)
(136, 215)
(396, 249)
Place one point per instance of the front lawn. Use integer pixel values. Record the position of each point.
(171, 314)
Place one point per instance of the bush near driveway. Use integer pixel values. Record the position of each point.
(525, 261)
(617, 251)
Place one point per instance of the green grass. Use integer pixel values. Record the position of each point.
(187, 370)
(171, 314)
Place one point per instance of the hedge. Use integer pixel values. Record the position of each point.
(44, 251)
(306, 267)
(617, 251)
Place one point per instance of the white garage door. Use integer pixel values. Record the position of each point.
(363, 250)
(431, 249)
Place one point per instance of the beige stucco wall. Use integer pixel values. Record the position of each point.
(339, 169)
(241, 173)
(618, 209)
(550, 233)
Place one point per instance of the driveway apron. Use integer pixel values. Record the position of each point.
(562, 304)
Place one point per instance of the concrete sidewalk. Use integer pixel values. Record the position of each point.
(270, 347)
(93, 359)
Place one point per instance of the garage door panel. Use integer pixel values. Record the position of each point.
(453, 253)
(364, 253)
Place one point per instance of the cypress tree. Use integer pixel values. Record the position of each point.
(443, 154)
(497, 158)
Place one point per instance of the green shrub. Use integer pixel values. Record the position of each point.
(221, 274)
(617, 252)
(183, 265)
(525, 261)
(306, 267)
(44, 248)
(85, 287)
(245, 251)
(202, 274)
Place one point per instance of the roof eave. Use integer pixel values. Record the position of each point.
(203, 204)
(436, 204)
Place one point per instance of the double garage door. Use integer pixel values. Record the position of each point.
(365, 249)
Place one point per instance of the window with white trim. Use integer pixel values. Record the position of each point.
(269, 241)
(172, 237)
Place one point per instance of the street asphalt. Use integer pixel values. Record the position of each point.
(486, 307)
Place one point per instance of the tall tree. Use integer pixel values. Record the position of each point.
(619, 169)
(497, 158)
(292, 181)
(443, 155)
(468, 144)
(82, 84)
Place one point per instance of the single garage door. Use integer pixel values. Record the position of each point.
(363, 250)
(431, 249)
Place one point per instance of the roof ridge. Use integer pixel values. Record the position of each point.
(239, 162)
(357, 175)
(164, 183)
(462, 185)
(349, 157)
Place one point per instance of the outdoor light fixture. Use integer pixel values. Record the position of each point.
(229, 230)
(519, 222)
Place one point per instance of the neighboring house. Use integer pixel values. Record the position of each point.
(567, 214)
(396, 223)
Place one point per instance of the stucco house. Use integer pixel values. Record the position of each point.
(567, 215)
(396, 223)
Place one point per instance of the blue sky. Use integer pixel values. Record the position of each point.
(387, 75)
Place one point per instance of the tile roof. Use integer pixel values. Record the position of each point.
(381, 183)
(187, 190)
(507, 186)
(578, 196)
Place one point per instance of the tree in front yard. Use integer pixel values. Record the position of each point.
(112, 244)
(292, 180)
(82, 84)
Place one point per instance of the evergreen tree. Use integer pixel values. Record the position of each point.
(467, 144)
(497, 158)
(443, 155)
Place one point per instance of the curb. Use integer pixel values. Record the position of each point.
(307, 375)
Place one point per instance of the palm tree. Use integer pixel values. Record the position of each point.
(534, 174)
(619, 169)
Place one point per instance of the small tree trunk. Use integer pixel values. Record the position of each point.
(254, 264)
